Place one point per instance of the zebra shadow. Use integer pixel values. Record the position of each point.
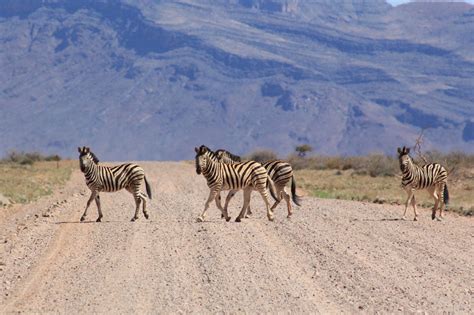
(90, 222)
(381, 220)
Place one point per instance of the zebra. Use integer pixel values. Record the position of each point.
(246, 175)
(432, 177)
(280, 172)
(109, 179)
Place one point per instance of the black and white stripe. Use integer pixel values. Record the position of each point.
(245, 175)
(109, 179)
(432, 177)
(280, 172)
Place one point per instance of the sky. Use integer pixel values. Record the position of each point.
(397, 2)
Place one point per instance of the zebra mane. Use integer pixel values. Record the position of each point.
(225, 153)
(94, 157)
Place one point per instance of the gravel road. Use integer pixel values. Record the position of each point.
(331, 257)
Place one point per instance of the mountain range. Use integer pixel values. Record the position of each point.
(150, 80)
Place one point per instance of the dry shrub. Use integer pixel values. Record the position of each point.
(374, 164)
(381, 165)
(261, 155)
(28, 158)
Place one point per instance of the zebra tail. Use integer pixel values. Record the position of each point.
(294, 196)
(446, 194)
(272, 187)
(148, 188)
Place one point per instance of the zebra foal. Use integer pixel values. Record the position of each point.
(432, 177)
(279, 171)
(109, 179)
(246, 175)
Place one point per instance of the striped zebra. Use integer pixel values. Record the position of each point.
(280, 172)
(246, 175)
(432, 177)
(109, 179)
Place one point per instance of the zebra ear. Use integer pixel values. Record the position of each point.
(196, 149)
(399, 150)
(79, 149)
(408, 150)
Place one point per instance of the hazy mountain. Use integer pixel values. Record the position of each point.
(152, 79)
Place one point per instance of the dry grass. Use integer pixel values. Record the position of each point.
(349, 185)
(25, 183)
(374, 178)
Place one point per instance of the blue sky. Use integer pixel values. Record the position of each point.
(397, 2)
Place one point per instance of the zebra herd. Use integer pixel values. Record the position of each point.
(225, 171)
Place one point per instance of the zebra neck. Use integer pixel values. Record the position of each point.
(410, 170)
(210, 168)
(91, 170)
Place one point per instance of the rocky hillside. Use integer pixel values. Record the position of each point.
(152, 79)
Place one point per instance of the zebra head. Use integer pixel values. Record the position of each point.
(202, 158)
(86, 158)
(225, 156)
(403, 158)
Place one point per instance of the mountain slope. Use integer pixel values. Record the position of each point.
(151, 80)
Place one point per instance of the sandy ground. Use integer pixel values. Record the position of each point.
(331, 257)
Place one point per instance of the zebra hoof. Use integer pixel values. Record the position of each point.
(237, 220)
(433, 217)
(199, 219)
(403, 218)
(133, 219)
(271, 218)
(99, 219)
(222, 216)
(439, 219)
(415, 219)
(228, 219)
(146, 216)
(83, 218)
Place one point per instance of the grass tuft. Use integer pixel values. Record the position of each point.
(24, 183)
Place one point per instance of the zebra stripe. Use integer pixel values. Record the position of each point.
(432, 177)
(248, 176)
(110, 179)
(280, 172)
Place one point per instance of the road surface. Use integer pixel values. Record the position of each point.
(331, 257)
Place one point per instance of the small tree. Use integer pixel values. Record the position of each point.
(303, 149)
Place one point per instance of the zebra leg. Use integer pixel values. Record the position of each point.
(248, 213)
(135, 190)
(433, 193)
(230, 195)
(413, 203)
(441, 201)
(247, 193)
(218, 202)
(264, 193)
(92, 197)
(288, 202)
(212, 196)
(224, 213)
(280, 193)
(145, 213)
(137, 208)
(443, 204)
(410, 195)
(99, 210)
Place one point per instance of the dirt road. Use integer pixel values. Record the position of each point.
(332, 256)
